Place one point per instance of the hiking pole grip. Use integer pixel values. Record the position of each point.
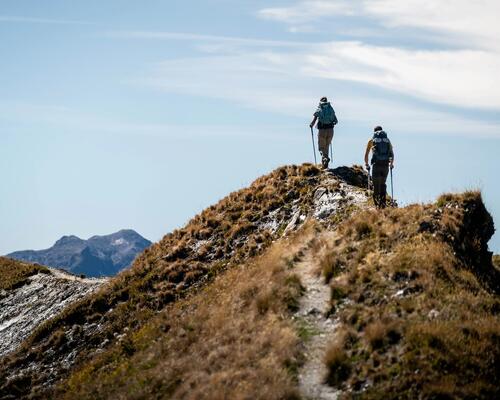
(314, 148)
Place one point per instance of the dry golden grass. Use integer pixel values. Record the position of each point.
(171, 268)
(424, 309)
(232, 340)
(337, 360)
(14, 274)
(414, 289)
(496, 261)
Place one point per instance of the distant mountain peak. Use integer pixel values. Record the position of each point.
(70, 239)
(103, 255)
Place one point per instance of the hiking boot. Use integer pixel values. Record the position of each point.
(324, 162)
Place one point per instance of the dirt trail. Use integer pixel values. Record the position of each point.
(61, 274)
(313, 308)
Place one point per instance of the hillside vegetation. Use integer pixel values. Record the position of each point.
(215, 310)
(417, 297)
(14, 274)
(240, 226)
(234, 339)
(31, 294)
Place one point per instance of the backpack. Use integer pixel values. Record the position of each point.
(326, 116)
(381, 147)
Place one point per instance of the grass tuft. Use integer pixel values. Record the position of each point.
(337, 362)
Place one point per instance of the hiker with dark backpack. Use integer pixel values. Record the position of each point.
(382, 160)
(325, 115)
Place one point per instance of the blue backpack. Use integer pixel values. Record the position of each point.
(326, 116)
(381, 147)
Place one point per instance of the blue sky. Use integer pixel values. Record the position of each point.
(124, 114)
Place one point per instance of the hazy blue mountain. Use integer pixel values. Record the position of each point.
(98, 256)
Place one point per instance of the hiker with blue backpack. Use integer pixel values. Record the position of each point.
(382, 160)
(325, 115)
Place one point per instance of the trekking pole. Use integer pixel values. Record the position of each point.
(314, 148)
(369, 177)
(331, 151)
(392, 190)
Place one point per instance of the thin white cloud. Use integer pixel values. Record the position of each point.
(280, 84)
(240, 41)
(472, 22)
(457, 77)
(308, 10)
(32, 20)
(282, 76)
(469, 22)
(466, 78)
(65, 120)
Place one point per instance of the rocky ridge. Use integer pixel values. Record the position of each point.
(200, 251)
(40, 298)
(360, 298)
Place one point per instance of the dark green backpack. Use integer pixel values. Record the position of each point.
(381, 147)
(326, 116)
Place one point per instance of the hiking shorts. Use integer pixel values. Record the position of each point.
(325, 137)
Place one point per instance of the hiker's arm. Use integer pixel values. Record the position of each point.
(367, 152)
(313, 121)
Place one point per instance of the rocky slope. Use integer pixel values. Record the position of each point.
(38, 294)
(292, 288)
(98, 256)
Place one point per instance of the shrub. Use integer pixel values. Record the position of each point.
(381, 333)
(363, 229)
(337, 363)
(331, 266)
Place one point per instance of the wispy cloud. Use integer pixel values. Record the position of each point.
(468, 22)
(34, 20)
(65, 120)
(461, 75)
(282, 76)
(464, 78)
(308, 10)
(280, 84)
(241, 41)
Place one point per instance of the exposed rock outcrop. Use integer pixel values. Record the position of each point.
(41, 297)
(361, 295)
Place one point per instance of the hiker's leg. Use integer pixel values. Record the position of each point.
(323, 146)
(322, 142)
(376, 185)
(329, 138)
(384, 171)
(378, 182)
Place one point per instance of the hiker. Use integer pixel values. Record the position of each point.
(325, 115)
(382, 160)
